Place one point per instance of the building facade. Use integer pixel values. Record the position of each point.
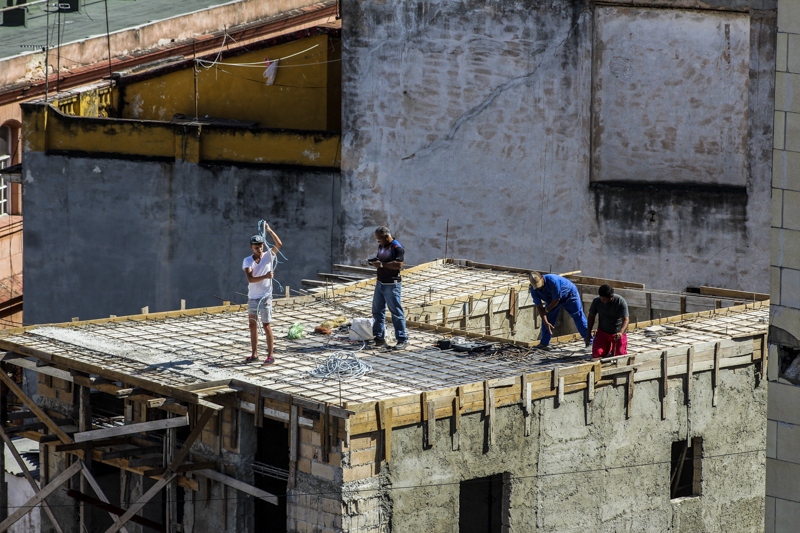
(783, 429)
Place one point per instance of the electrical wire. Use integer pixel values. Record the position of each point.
(341, 365)
(452, 483)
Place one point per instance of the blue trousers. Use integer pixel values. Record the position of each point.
(571, 305)
(388, 295)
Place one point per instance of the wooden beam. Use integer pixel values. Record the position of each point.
(91, 444)
(141, 502)
(99, 492)
(129, 429)
(133, 452)
(29, 478)
(664, 383)
(431, 422)
(715, 373)
(730, 293)
(764, 350)
(629, 404)
(689, 372)
(41, 495)
(30, 404)
(116, 511)
(239, 485)
(52, 371)
(491, 418)
(187, 444)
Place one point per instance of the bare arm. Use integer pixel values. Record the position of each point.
(278, 242)
(543, 314)
(553, 305)
(625, 322)
(590, 325)
(255, 279)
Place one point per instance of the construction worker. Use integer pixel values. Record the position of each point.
(610, 338)
(259, 271)
(551, 293)
(388, 261)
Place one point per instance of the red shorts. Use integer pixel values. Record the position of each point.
(604, 345)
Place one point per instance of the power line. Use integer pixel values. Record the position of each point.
(468, 481)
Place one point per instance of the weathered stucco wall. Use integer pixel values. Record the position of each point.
(110, 236)
(481, 113)
(612, 474)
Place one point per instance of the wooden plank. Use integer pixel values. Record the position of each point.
(239, 485)
(664, 383)
(456, 424)
(87, 475)
(629, 405)
(258, 416)
(46, 370)
(141, 427)
(715, 373)
(560, 390)
(187, 444)
(491, 418)
(133, 452)
(29, 477)
(689, 372)
(431, 423)
(730, 293)
(294, 433)
(30, 404)
(141, 502)
(92, 444)
(41, 495)
(764, 356)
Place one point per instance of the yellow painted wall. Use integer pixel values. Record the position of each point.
(46, 129)
(304, 96)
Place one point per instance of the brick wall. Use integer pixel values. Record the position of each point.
(783, 414)
(338, 494)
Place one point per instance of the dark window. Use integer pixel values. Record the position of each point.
(789, 363)
(271, 469)
(481, 505)
(686, 471)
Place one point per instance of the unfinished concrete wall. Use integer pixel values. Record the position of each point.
(111, 236)
(611, 474)
(783, 426)
(482, 113)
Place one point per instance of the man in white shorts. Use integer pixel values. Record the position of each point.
(259, 272)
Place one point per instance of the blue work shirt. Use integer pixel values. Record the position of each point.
(555, 288)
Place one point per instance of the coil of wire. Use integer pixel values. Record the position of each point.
(340, 365)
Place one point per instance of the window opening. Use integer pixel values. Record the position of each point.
(789, 363)
(481, 505)
(271, 472)
(686, 468)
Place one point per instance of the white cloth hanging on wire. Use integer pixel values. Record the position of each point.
(272, 70)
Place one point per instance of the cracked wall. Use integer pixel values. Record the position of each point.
(480, 112)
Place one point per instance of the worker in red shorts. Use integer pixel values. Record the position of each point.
(610, 338)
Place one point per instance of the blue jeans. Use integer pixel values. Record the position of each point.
(388, 295)
(571, 305)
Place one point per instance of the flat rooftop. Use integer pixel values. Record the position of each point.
(184, 348)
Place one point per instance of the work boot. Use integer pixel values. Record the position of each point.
(379, 342)
(545, 347)
(402, 345)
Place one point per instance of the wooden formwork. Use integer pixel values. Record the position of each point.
(199, 374)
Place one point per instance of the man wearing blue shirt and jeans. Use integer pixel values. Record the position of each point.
(551, 293)
(388, 261)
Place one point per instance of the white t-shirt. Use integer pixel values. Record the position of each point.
(261, 288)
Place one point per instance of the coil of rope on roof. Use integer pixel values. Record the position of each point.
(341, 365)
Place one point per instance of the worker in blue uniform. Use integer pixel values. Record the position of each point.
(551, 293)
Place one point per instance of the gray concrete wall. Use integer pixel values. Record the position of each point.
(489, 113)
(783, 426)
(110, 236)
(607, 476)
